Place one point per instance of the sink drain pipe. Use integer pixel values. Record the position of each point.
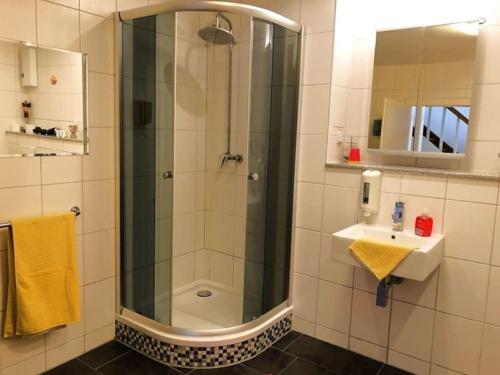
(383, 289)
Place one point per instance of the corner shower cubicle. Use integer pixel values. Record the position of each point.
(208, 123)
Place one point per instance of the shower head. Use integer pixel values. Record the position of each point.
(216, 34)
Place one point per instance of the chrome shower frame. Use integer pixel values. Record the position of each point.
(163, 332)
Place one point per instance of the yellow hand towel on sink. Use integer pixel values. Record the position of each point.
(381, 258)
(43, 285)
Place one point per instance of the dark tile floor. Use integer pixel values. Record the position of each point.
(294, 354)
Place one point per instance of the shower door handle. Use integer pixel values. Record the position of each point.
(253, 177)
(167, 175)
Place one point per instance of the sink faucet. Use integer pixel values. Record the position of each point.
(397, 216)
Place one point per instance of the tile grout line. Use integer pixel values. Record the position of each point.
(112, 360)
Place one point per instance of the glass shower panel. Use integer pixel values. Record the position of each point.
(146, 165)
(273, 123)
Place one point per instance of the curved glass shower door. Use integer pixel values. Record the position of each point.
(208, 134)
(146, 139)
(271, 164)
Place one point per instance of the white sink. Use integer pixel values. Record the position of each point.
(416, 266)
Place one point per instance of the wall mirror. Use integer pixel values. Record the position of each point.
(43, 101)
(421, 91)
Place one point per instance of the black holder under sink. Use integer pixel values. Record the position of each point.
(383, 289)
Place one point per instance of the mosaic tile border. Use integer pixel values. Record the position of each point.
(206, 357)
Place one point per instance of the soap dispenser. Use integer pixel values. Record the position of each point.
(370, 192)
(423, 224)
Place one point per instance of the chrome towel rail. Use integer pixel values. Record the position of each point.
(76, 210)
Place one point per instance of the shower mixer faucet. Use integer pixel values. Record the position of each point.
(230, 157)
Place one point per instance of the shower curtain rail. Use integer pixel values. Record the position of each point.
(76, 210)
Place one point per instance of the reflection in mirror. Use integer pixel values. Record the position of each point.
(396, 72)
(422, 84)
(43, 93)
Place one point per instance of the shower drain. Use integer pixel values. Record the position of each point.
(204, 293)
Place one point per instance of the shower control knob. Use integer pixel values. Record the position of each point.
(253, 177)
(167, 174)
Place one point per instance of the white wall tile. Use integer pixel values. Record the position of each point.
(472, 190)
(493, 303)
(221, 268)
(97, 40)
(338, 108)
(369, 322)
(368, 349)
(485, 113)
(411, 330)
(34, 365)
(334, 306)
(315, 109)
(99, 337)
(365, 280)
(462, 288)
(317, 15)
(18, 20)
(103, 8)
(65, 352)
(495, 256)
(407, 363)
(19, 172)
(437, 370)
(331, 336)
(469, 230)
(358, 112)
(309, 205)
(101, 102)
(339, 200)
(98, 205)
(100, 163)
(345, 178)
(20, 202)
(57, 26)
(423, 185)
(305, 290)
(318, 63)
(312, 158)
(391, 182)
(487, 54)
(307, 252)
(61, 169)
(99, 252)
(99, 304)
(302, 326)
(60, 198)
(183, 270)
(490, 362)
(457, 343)
(421, 293)
(330, 270)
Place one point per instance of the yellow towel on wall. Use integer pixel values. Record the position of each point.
(381, 258)
(43, 284)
